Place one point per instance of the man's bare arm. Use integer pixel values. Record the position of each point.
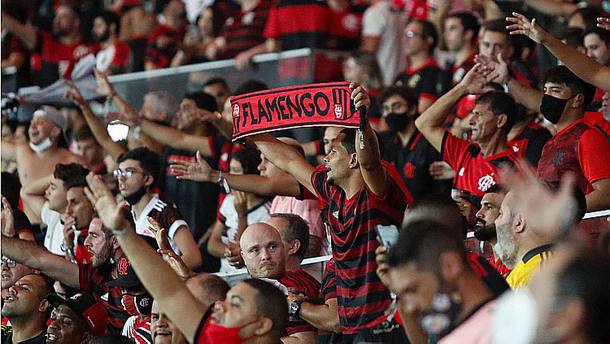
(100, 133)
(286, 158)
(582, 65)
(32, 255)
(175, 138)
(324, 317)
(33, 198)
(25, 33)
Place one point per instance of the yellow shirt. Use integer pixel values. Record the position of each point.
(522, 273)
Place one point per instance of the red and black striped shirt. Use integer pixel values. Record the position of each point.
(94, 280)
(244, 30)
(362, 299)
(303, 284)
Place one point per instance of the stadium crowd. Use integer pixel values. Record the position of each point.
(472, 205)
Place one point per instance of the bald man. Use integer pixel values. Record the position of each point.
(265, 257)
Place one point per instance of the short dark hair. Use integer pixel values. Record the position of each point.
(149, 160)
(406, 93)
(428, 30)
(216, 80)
(563, 75)
(216, 288)
(497, 188)
(249, 158)
(111, 18)
(349, 140)
(203, 100)
(69, 172)
(501, 103)
(298, 229)
(603, 34)
(422, 242)
(496, 25)
(270, 303)
(587, 277)
(469, 23)
(77, 181)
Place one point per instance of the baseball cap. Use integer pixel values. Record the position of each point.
(53, 114)
(84, 304)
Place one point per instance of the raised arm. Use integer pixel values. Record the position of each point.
(33, 198)
(367, 148)
(201, 171)
(25, 33)
(430, 123)
(582, 65)
(158, 278)
(95, 124)
(34, 256)
(175, 138)
(286, 158)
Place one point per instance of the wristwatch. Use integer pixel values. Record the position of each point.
(295, 307)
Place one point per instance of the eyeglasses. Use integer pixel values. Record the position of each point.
(11, 263)
(412, 34)
(118, 173)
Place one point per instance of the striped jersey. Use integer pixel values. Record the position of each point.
(362, 299)
(303, 284)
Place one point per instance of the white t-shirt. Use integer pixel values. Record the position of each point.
(228, 216)
(55, 230)
(382, 21)
(168, 217)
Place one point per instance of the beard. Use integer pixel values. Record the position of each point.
(484, 232)
(506, 249)
(102, 38)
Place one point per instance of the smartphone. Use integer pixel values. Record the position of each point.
(387, 235)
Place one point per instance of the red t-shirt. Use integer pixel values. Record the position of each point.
(303, 284)
(578, 148)
(474, 173)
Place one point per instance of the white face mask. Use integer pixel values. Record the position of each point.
(516, 318)
(43, 146)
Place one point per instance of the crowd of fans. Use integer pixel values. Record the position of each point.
(455, 214)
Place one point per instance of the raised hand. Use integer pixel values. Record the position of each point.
(360, 96)
(233, 256)
(498, 67)
(160, 234)
(476, 78)
(199, 171)
(69, 229)
(74, 94)
(440, 170)
(8, 219)
(381, 257)
(546, 211)
(104, 87)
(604, 23)
(113, 215)
(523, 26)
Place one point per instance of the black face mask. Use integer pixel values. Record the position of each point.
(397, 121)
(552, 108)
(136, 196)
(484, 233)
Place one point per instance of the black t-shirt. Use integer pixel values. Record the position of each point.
(413, 163)
(423, 80)
(197, 201)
